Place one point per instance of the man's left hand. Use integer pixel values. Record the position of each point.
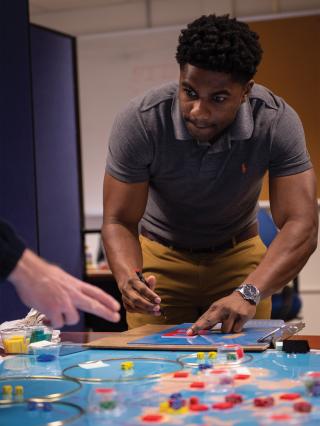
(232, 311)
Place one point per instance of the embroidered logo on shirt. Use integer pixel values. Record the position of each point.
(244, 168)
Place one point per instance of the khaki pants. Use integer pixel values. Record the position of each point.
(188, 283)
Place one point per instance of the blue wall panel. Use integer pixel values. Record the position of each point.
(17, 163)
(56, 141)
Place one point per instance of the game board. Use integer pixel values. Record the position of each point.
(252, 332)
(142, 393)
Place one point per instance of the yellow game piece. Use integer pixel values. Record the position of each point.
(7, 389)
(200, 355)
(15, 344)
(18, 390)
(212, 355)
(127, 365)
(164, 406)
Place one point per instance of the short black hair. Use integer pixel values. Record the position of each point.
(220, 43)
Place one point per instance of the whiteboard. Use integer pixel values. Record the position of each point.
(114, 68)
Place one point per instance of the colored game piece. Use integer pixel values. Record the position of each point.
(290, 396)
(46, 358)
(198, 385)
(18, 390)
(241, 376)
(47, 406)
(127, 365)
(180, 374)
(198, 407)
(226, 380)
(311, 381)
(234, 398)
(176, 395)
(177, 403)
(302, 407)
(281, 417)
(163, 407)
(204, 366)
(222, 405)
(7, 389)
(200, 355)
(232, 356)
(193, 400)
(32, 406)
(266, 401)
(152, 418)
(212, 355)
(108, 405)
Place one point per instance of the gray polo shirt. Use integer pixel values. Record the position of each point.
(202, 194)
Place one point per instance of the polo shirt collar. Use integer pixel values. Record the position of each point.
(241, 128)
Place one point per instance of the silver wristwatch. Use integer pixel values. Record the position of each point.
(250, 293)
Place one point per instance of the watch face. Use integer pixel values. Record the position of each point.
(250, 293)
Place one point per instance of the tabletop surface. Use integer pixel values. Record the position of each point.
(138, 393)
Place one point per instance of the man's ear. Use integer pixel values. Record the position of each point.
(247, 89)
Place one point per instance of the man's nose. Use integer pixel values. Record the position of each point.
(201, 110)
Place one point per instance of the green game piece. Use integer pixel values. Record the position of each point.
(232, 357)
(108, 405)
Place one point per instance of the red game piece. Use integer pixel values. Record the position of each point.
(198, 407)
(302, 407)
(281, 417)
(198, 385)
(240, 353)
(218, 371)
(266, 401)
(222, 405)
(235, 398)
(241, 376)
(152, 418)
(180, 374)
(290, 396)
(193, 400)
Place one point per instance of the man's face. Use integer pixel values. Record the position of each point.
(209, 101)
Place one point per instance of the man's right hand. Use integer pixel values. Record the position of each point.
(139, 297)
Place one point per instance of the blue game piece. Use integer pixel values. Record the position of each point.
(176, 404)
(47, 406)
(46, 357)
(32, 406)
(204, 366)
(176, 395)
(316, 389)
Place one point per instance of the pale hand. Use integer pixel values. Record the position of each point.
(57, 294)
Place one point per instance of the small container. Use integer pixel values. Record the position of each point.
(38, 333)
(45, 351)
(15, 341)
(230, 353)
(311, 381)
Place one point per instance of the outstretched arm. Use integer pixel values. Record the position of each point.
(58, 294)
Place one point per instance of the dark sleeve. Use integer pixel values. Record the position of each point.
(11, 249)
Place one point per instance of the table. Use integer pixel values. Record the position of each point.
(139, 395)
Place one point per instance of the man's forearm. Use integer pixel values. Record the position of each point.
(123, 250)
(285, 257)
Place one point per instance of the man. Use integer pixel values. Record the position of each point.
(186, 162)
(47, 287)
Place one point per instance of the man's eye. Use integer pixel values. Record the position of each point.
(219, 99)
(190, 93)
